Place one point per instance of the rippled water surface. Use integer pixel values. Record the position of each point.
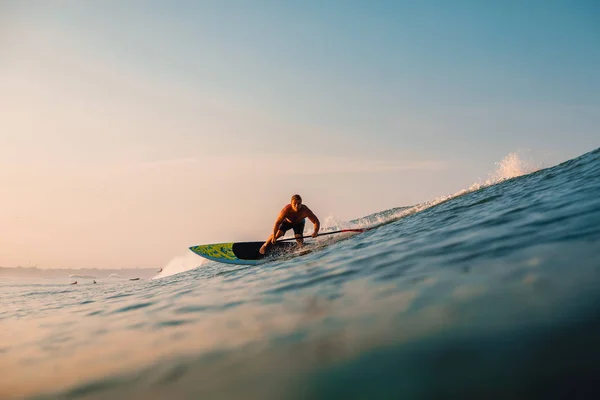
(490, 294)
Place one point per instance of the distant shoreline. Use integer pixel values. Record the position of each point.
(34, 272)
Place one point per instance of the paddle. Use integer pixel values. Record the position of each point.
(329, 233)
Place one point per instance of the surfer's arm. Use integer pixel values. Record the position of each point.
(278, 222)
(313, 218)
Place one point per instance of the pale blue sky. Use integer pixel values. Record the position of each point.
(176, 110)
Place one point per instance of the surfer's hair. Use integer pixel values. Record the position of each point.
(297, 197)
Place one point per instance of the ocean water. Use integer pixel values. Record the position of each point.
(493, 292)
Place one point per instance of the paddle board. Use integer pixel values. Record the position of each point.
(247, 253)
(242, 253)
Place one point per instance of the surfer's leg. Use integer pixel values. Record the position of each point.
(299, 233)
(263, 248)
(299, 240)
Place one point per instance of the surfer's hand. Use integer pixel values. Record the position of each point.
(273, 240)
(315, 234)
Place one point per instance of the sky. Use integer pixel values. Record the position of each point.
(130, 131)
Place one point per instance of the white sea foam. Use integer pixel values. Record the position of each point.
(513, 165)
(180, 264)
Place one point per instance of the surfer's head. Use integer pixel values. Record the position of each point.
(296, 202)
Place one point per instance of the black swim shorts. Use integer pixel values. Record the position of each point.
(298, 227)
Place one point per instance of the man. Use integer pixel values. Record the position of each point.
(292, 217)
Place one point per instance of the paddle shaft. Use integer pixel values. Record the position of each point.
(328, 233)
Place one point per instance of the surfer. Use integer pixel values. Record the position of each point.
(292, 216)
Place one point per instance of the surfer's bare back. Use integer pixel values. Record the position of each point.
(292, 216)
